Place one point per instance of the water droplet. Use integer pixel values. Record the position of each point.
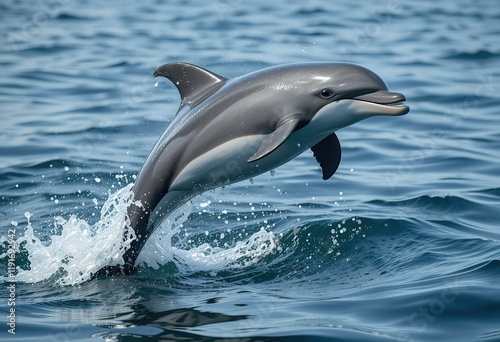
(14, 223)
(205, 204)
(273, 172)
(156, 84)
(98, 180)
(66, 168)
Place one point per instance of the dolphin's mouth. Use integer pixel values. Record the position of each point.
(393, 102)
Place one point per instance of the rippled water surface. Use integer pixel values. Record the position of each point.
(401, 244)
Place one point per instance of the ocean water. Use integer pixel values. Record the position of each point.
(401, 244)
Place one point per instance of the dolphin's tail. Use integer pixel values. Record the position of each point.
(143, 220)
(117, 270)
(138, 219)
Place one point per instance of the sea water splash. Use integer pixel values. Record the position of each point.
(81, 249)
(203, 258)
(189, 257)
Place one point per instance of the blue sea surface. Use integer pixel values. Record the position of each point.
(401, 244)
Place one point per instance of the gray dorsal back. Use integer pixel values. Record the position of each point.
(194, 83)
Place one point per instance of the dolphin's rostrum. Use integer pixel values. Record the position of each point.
(230, 130)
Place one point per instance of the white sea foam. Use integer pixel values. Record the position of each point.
(205, 257)
(80, 249)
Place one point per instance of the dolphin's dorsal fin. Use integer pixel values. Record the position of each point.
(193, 82)
(275, 139)
(328, 154)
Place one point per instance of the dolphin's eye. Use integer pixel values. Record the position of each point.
(326, 93)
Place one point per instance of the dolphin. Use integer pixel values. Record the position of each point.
(228, 130)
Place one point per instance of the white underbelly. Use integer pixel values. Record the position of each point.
(227, 163)
(224, 164)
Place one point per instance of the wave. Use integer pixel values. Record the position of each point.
(440, 204)
(77, 249)
(490, 191)
(476, 55)
(260, 245)
(67, 16)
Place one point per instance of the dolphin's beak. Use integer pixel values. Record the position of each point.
(393, 102)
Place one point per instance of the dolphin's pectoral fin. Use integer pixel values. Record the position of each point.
(275, 139)
(193, 82)
(328, 153)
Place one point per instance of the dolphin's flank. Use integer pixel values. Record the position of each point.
(228, 130)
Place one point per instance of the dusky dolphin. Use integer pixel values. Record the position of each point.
(228, 130)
